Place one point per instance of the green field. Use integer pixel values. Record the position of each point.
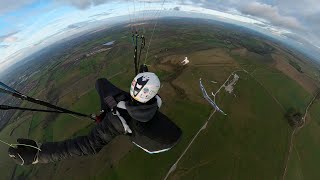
(248, 143)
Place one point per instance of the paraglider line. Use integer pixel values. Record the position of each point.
(23, 97)
(154, 27)
(16, 145)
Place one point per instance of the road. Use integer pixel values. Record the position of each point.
(293, 135)
(174, 166)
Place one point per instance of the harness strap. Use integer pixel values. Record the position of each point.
(120, 97)
(159, 100)
(112, 104)
(112, 101)
(123, 121)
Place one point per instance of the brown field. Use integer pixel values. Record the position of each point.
(282, 64)
(240, 51)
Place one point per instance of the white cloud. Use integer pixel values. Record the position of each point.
(224, 15)
(4, 46)
(272, 14)
(7, 38)
(299, 7)
(46, 30)
(10, 39)
(83, 4)
(9, 5)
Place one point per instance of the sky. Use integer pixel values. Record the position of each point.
(26, 26)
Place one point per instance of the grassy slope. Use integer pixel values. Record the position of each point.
(291, 95)
(285, 90)
(248, 143)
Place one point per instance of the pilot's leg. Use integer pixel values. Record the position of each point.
(105, 88)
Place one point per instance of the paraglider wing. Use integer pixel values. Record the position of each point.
(206, 96)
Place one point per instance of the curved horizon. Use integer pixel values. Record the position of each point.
(29, 27)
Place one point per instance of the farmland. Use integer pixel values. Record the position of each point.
(251, 142)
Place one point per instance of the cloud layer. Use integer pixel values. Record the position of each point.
(82, 4)
(9, 38)
(270, 13)
(9, 5)
(299, 17)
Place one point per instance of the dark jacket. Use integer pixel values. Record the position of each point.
(100, 135)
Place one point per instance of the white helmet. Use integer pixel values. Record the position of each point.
(144, 87)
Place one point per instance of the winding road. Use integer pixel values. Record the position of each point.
(293, 135)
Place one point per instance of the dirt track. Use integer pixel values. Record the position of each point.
(293, 135)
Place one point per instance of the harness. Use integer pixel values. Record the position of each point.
(114, 102)
(155, 136)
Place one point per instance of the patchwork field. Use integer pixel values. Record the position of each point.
(251, 142)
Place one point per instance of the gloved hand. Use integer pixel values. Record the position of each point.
(26, 153)
(101, 116)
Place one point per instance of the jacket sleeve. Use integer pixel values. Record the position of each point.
(101, 135)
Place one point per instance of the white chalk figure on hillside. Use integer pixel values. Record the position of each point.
(185, 61)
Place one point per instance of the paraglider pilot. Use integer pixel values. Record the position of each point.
(135, 114)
